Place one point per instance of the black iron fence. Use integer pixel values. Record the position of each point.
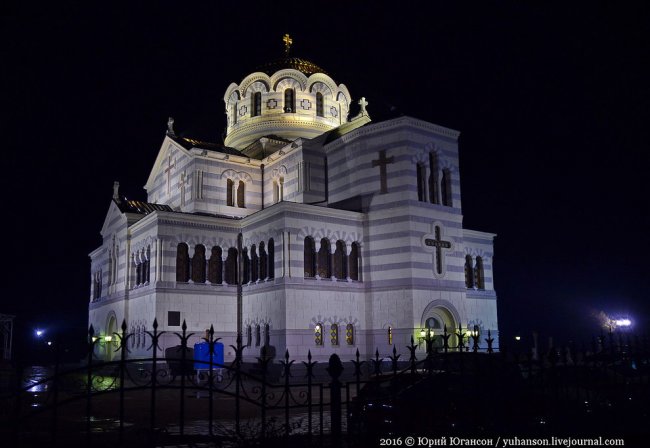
(464, 389)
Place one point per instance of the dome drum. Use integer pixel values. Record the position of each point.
(287, 104)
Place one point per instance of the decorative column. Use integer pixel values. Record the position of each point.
(316, 260)
(332, 253)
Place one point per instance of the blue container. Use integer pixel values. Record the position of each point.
(202, 353)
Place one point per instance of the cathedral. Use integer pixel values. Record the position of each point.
(307, 229)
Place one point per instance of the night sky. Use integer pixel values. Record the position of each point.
(552, 102)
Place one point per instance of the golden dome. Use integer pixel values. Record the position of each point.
(302, 65)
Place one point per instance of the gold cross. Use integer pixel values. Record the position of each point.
(287, 43)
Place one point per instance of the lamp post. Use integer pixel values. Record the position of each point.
(428, 335)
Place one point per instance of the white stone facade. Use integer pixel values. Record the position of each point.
(384, 196)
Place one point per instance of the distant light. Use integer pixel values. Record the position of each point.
(517, 338)
(623, 322)
(108, 338)
(40, 333)
(49, 342)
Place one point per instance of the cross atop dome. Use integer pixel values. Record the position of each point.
(287, 43)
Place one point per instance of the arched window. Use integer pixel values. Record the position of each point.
(198, 264)
(289, 100)
(256, 104)
(334, 334)
(390, 335)
(147, 265)
(278, 190)
(138, 270)
(324, 259)
(340, 261)
(264, 262)
(354, 261)
(421, 175)
(478, 274)
(433, 178)
(240, 195)
(258, 335)
(234, 113)
(255, 264)
(320, 107)
(469, 272)
(445, 188)
(249, 336)
(215, 266)
(310, 257)
(349, 334)
(182, 263)
(231, 266)
(246, 273)
(318, 334)
(230, 196)
(271, 259)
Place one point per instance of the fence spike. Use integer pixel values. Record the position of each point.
(184, 326)
(155, 323)
(124, 325)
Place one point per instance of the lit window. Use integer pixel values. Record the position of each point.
(318, 334)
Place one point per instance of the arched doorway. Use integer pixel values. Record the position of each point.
(110, 339)
(436, 316)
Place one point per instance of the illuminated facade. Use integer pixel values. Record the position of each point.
(351, 231)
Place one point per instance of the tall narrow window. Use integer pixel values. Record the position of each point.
(267, 335)
(256, 104)
(182, 263)
(340, 261)
(271, 259)
(421, 175)
(318, 334)
(147, 265)
(276, 192)
(281, 189)
(390, 335)
(445, 188)
(198, 264)
(231, 266)
(240, 195)
(138, 270)
(234, 113)
(258, 335)
(230, 197)
(289, 100)
(215, 266)
(246, 268)
(310, 257)
(320, 106)
(433, 179)
(334, 334)
(324, 259)
(264, 264)
(349, 334)
(354, 261)
(469, 272)
(478, 274)
(249, 336)
(255, 264)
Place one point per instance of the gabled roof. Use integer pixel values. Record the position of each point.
(189, 143)
(141, 207)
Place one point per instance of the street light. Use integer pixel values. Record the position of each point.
(429, 336)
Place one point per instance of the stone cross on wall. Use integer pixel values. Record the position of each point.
(168, 170)
(435, 244)
(381, 163)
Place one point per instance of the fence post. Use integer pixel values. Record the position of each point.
(123, 349)
(264, 361)
(287, 373)
(334, 369)
(394, 359)
(310, 375)
(154, 374)
(89, 381)
(184, 337)
(489, 341)
(239, 349)
(377, 363)
(412, 358)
